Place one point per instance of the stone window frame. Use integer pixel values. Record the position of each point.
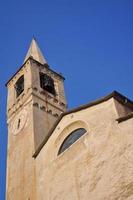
(43, 76)
(19, 86)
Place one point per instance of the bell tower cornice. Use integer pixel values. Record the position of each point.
(31, 59)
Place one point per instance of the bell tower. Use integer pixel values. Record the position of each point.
(35, 101)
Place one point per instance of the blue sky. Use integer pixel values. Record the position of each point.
(89, 41)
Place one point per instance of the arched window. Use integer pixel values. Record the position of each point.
(71, 138)
(47, 83)
(19, 86)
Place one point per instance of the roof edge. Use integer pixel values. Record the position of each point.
(124, 118)
(31, 58)
(116, 95)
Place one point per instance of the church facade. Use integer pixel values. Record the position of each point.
(59, 154)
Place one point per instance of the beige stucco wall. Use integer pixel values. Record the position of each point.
(98, 166)
(47, 107)
(20, 182)
(20, 163)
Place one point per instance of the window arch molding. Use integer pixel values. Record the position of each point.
(67, 131)
(71, 139)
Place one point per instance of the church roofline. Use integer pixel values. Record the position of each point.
(46, 65)
(129, 116)
(116, 95)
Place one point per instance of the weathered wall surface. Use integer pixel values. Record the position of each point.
(99, 166)
(20, 164)
(20, 183)
(30, 117)
(47, 107)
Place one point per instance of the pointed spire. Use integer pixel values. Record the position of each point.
(35, 52)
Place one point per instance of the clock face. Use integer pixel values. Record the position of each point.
(19, 122)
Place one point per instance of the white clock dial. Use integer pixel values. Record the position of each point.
(19, 122)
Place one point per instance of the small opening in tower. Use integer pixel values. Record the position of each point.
(18, 124)
(19, 86)
(47, 83)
